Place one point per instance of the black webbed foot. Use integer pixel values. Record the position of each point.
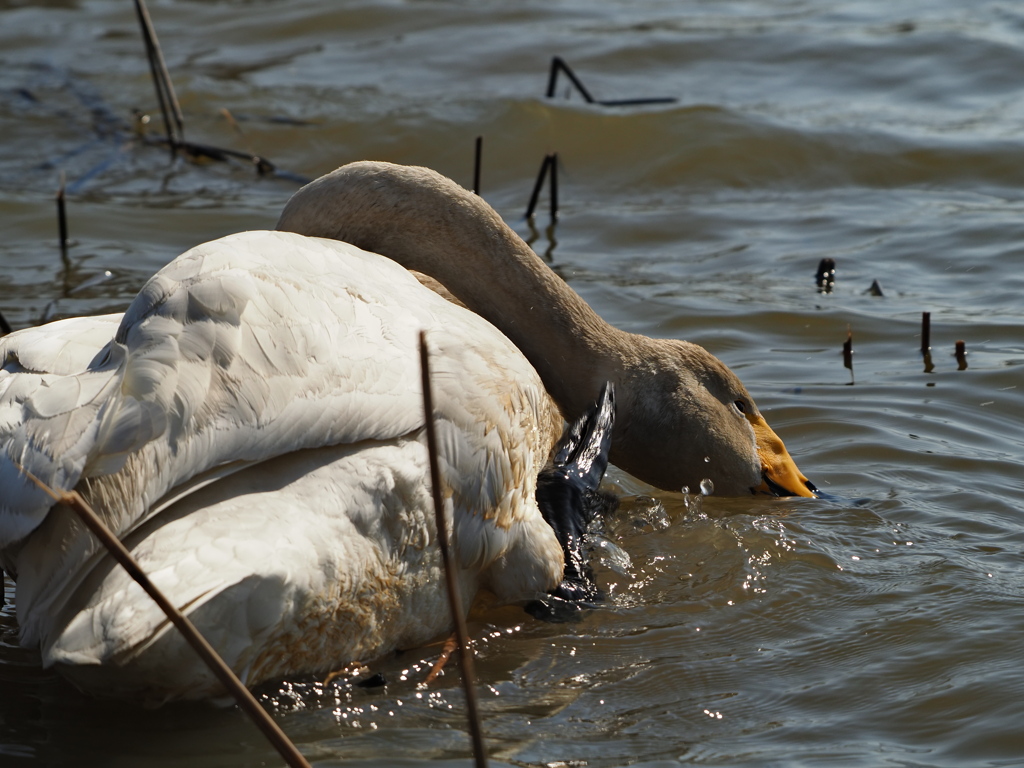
(557, 610)
(569, 499)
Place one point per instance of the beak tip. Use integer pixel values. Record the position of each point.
(802, 487)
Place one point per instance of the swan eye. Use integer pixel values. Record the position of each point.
(741, 406)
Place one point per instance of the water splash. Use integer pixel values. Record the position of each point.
(610, 555)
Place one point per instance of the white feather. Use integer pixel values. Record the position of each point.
(253, 430)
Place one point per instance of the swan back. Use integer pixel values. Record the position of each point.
(255, 346)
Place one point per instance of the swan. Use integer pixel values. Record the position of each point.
(252, 428)
(682, 415)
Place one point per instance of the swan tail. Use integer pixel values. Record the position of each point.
(61, 413)
(568, 491)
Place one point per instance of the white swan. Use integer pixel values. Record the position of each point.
(682, 414)
(251, 427)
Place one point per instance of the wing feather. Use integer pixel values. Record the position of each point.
(256, 346)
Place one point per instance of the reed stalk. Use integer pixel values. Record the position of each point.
(246, 701)
(477, 159)
(454, 596)
(539, 185)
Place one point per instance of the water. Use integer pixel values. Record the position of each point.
(880, 625)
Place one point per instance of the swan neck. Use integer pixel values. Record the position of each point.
(429, 224)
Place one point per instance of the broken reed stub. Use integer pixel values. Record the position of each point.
(170, 109)
(825, 277)
(638, 102)
(926, 332)
(848, 352)
(960, 353)
(553, 187)
(477, 157)
(548, 165)
(62, 218)
(558, 65)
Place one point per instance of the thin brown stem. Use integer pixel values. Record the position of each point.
(174, 122)
(220, 669)
(454, 596)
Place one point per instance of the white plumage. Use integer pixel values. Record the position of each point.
(252, 428)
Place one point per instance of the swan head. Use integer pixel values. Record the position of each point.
(693, 420)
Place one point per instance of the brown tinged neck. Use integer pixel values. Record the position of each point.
(429, 224)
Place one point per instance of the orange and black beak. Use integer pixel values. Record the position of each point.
(778, 470)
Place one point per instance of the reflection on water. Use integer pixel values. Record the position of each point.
(878, 624)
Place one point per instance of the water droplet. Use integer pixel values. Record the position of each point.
(685, 490)
(707, 459)
(707, 487)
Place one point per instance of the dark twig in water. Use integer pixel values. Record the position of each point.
(638, 102)
(263, 166)
(174, 123)
(548, 164)
(553, 167)
(825, 277)
(538, 185)
(926, 341)
(228, 679)
(558, 65)
(961, 355)
(454, 597)
(205, 151)
(62, 221)
(477, 158)
(848, 352)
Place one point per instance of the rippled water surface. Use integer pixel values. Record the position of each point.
(880, 625)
